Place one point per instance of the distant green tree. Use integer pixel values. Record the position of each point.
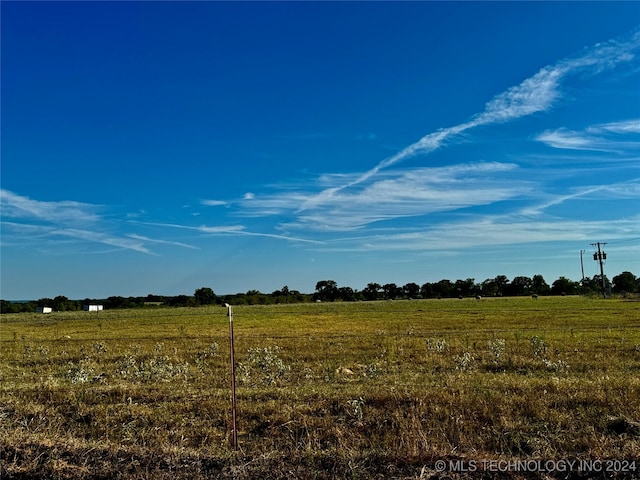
(63, 304)
(465, 288)
(501, 282)
(444, 289)
(117, 302)
(489, 287)
(298, 297)
(283, 295)
(205, 296)
(539, 286)
(254, 297)
(519, 286)
(17, 307)
(564, 286)
(45, 302)
(182, 301)
(4, 306)
(371, 291)
(326, 291)
(594, 284)
(427, 290)
(411, 290)
(346, 294)
(626, 282)
(391, 291)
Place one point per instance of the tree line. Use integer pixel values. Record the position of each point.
(625, 283)
(329, 291)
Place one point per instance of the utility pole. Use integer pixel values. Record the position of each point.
(582, 268)
(600, 256)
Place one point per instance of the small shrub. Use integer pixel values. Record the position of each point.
(464, 362)
(205, 356)
(538, 346)
(153, 369)
(262, 365)
(79, 372)
(356, 408)
(497, 348)
(372, 371)
(559, 366)
(27, 351)
(437, 345)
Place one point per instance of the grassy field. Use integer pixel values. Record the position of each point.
(405, 389)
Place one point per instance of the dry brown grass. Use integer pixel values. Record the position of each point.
(367, 390)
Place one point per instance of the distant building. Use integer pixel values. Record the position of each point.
(44, 309)
(92, 308)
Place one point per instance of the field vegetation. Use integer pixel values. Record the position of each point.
(380, 389)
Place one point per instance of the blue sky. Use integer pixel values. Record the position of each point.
(162, 147)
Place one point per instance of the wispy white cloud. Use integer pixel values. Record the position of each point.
(217, 229)
(163, 242)
(76, 221)
(16, 234)
(490, 231)
(214, 203)
(571, 140)
(541, 91)
(201, 228)
(623, 127)
(21, 234)
(223, 230)
(537, 210)
(535, 94)
(626, 190)
(70, 212)
(608, 137)
(104, 238)
(398, 194)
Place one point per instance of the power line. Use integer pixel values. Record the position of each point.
(636, 239)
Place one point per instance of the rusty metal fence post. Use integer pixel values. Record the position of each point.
(234, 424)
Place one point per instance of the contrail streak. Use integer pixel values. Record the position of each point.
(535, 94)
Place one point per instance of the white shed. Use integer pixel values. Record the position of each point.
(92, 308)
(44, 309)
